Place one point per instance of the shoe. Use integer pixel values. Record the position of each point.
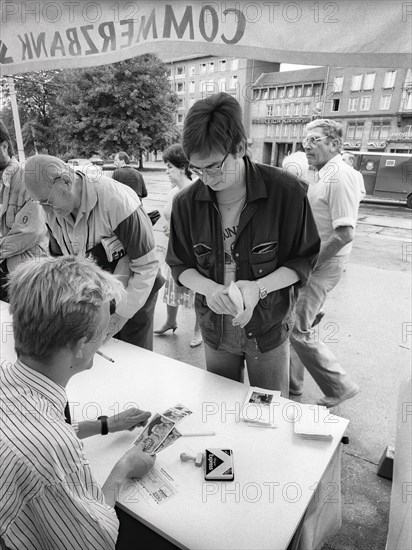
(165, 328)
(295, 392)
(318, 318)
(196, 341)
(331, 402)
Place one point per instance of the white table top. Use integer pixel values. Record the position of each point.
(276, 472)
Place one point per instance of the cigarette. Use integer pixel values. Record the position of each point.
(198, 434)
(105, 356)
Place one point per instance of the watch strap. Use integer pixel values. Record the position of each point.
(262, 289)
(105, 426)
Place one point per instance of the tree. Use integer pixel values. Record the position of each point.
(123, 106)
(36, 98)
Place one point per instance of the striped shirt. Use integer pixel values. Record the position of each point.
(48, 497)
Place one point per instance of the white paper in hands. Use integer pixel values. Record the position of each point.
(236, 297)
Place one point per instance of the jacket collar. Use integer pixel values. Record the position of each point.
(255, 186)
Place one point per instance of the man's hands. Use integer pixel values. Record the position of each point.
(250, 293)
(135, 463)
(219, 302)
(116, 323)
(128, 420)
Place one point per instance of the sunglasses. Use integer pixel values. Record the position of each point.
(312, 140)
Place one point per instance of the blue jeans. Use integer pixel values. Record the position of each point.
(307, 350)
(269, 370)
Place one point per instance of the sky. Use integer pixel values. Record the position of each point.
(290, 67)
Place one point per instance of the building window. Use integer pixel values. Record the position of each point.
(294, 130)
(180, 118)
(407, 101)
(355, 130)
(235, 64)
(380, 130)
(278, 110)
(353, 104)
(180, 70)
(256, 94)
(298, 91)
(338, 84)
(272, 93)
(389, 80)
(385, 102)
(281, 93)
(203, 68)
(181, 103)
(317, 90)
(180, 87)
(307, 90)
(365, 104)
(222, 65)
(335, 105)
(289, 91)
(296, 110)
(408, 129)
(192, 70)
(233, 81)
(222, 84)
(356, 82)
(265, 94)
(211, 67)
(287, 110)
(369, 81)
(306, 109)
(191, 86)
(269, 110)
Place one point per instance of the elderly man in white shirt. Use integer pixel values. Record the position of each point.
(334, 199)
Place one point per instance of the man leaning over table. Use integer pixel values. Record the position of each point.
(240, 222)
(100, 218)
(61, 313)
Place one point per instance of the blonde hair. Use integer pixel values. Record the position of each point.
(55, 302)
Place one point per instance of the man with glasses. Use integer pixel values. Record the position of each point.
(240, 222)
(334, 198)
(97, 217)
(23, 233)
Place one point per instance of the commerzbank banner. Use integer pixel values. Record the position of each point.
(38, 35)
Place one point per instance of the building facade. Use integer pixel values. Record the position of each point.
(283, 103)
(198, 77)
(374, 107)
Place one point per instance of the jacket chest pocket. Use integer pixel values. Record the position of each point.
(205, 259)
(264, 258)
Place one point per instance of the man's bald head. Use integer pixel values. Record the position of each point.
(41, 171)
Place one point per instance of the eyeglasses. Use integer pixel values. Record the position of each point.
(210, 170)
(45, 202)
(312, 140)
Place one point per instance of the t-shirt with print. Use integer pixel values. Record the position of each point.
(230, 213)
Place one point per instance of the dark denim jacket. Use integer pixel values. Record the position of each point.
(276, 228)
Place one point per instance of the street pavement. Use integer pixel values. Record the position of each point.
(367, 325)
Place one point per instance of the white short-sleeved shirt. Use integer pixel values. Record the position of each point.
(335, 199)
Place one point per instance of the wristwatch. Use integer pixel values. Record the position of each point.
(105, 426)
(262, 290)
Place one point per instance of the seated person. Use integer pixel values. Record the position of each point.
(61, 311)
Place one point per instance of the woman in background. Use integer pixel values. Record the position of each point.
(177, 168)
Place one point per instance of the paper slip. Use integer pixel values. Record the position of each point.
(236, 297)
(161, 430)
(260, 406)
(313, 422)
(157, 486)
